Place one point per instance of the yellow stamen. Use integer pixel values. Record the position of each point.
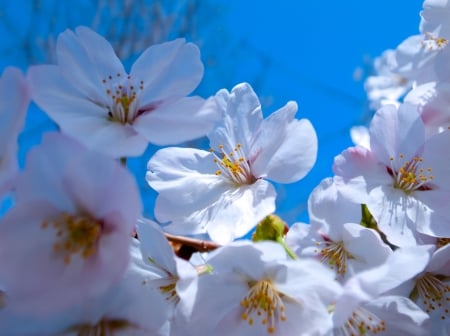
(433, 294)
(234, 166)
(410, 176)
(264, 301)
(76, 234)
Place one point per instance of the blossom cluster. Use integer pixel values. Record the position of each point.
(78, 258)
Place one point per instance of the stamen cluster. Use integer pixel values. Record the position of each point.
(434, 43)
(410, 176)
(434, 294)
(363, 322)
(76, 234)
(123, 97)
(334, 254)
(264, 301)
(234, 166)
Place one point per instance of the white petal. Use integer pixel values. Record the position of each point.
(175, 122)
(285, 149)
(170, 69)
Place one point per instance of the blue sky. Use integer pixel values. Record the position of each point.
(300, 50)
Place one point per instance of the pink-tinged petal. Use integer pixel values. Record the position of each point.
(241, 118)
(47, 186)
(357, 173)
(85, 177)
(33, 275)
(358, 161)
(285, 149)
(85, 59)
(79, 190)
(53, 94)
(81, 118)
(111, 138)
(107, 191)
(433, 100)
(9, 168)
(394, 132)
(15, 97)
(169, 70)
(178, 121)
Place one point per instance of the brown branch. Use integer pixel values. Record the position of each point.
(198, 244)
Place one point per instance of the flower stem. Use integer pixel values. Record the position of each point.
(288, 250)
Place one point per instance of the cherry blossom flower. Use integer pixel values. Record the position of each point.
(67, 237)
(162, 270)
(254, 290)
(126, 309)
(430, 289)
(417, 60)
(403, 178)
(432, 100)
(15, 97)
(93, 99)
(435, 18)
(386, 86)
(334, 235)
(225, 192)
(367, 306)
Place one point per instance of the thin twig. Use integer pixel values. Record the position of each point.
(198, 244)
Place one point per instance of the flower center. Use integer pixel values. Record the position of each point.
(433, 294)
(363, 322)
(334, 254)
(234, 166)
(166, 284)
(433, 43)
(76, 234)
(103, 327)
(123, 94)
(410, 176)
(169, 290)
(263, 301)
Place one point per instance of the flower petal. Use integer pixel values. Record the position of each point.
(285, 149)
(169, 70)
